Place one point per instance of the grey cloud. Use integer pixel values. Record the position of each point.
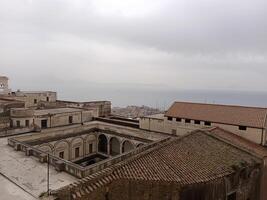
(176, 44)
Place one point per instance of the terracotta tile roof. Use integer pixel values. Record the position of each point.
(194, 158)
(240, 142)
(226, 114)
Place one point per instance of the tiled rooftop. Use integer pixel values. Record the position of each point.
(226, 114)
(194, 158)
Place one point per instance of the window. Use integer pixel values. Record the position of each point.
(11, 123)
(207, 123)
(187, 120)
(61, 154)
(231, 196)
(178, 119)
(197, 122)
(170, 118)
(174, 131)
(35, 101)
(44, 123)
(242, 128)
(77, 152)
(90, 148)
(18, 123)
(27, 123)
(70, 119)
(47, 98)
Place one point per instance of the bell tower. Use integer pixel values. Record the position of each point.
(4, 85)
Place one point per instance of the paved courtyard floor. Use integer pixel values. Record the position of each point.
(26, 173)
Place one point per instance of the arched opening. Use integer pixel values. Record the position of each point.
(46, 148)
(114, 146)
(102, 144)
(139, 145)
(127, 146)
(62, 150)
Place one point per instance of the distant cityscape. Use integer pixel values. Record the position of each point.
(135, 112)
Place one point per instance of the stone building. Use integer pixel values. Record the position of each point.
(103, 108)
(6, 104)
(4, 90)
(33, 98)
(48, 118)
(196, 166)
(78, 149)
(184, 117)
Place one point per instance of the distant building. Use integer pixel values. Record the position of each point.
(33, 98)
(184, 117)
(4, 90)
(48, 118)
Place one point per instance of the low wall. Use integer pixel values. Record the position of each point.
(11, 132)
(72, 168)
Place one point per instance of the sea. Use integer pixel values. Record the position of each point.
(162, 99)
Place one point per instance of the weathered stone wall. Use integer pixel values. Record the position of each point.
(4, 122)
(32, 99)
(182, 128)
(4, 85)
(133, 190)
(102, 108)
(244, 184)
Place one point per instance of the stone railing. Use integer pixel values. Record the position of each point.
(72, 168)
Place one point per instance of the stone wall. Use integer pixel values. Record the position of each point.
(32, 99)
(180, 128)
(103, 108)
(242, 184)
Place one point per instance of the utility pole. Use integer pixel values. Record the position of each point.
(48, 174)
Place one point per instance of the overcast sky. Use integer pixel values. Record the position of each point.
(172, 44)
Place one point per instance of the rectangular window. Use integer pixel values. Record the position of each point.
(70, 119)
(178, 119)
(207, 123)
(170, 118)
(174, 131)
(44, 123)
(242, 128)
(18, 123)
(77, 152)
(11, 123)
(27, 123)
(61, 154)
(231, 196)
(187, 121)
(35, 101)
(197, 122)
(90, 148)
(47, 98)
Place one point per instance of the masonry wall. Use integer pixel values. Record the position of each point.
(182, 128)
(152, 124)
(129, 190)
(244, 188)
(4, 85)
(33, 99)
(68, 146)
(102, 108)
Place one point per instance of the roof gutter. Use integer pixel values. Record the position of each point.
(264, 130)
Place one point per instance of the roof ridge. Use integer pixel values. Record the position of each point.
(227, 105)
(240, 147)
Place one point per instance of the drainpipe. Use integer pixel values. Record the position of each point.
(50, 120)
(263, 140)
